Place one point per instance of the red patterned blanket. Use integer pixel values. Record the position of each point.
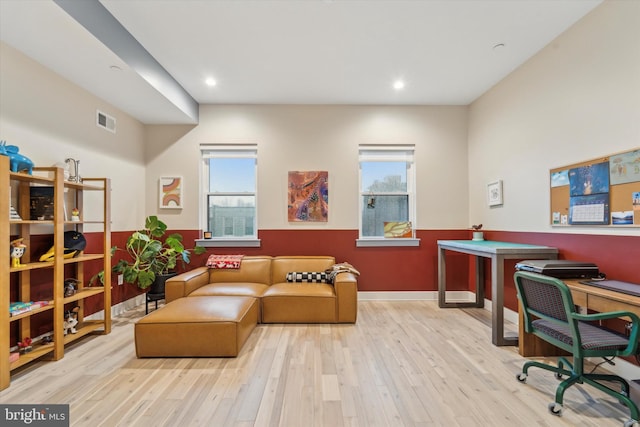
(224, 261)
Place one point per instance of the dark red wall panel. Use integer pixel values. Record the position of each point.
(416, 268)
(617, 256)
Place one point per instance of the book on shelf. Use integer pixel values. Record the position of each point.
(41, 203)
(19, 304)
(20, 307)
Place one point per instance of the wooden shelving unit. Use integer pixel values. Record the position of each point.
(95, 219)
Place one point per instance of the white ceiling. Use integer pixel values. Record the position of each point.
(293, 52)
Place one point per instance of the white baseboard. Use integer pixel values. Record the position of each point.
(398, 296)
(120, 308)
(458, 296)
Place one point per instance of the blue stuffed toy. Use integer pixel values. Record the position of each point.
(17, 162)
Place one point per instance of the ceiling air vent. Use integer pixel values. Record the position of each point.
(105, 121)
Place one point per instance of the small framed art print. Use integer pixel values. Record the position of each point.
(170, 192)
(494, 193)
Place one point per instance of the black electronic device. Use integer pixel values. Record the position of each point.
(561, 269)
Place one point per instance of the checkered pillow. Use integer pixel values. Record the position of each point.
(308, 277)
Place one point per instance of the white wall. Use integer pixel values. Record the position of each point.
(576, 100)
(295, 137)
(51, 119)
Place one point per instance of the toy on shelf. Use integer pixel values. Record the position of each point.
(70, 321)
(74, 243)
(17, 250)
(25, 345)
(17, 162)
(70, 287)
(75, 215)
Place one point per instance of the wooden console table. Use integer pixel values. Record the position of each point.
(497, 252)
(585, 296)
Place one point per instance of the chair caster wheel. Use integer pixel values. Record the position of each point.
(631, 423)
(522, 377)
(555, 408)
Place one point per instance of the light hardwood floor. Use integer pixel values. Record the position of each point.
(405, 363)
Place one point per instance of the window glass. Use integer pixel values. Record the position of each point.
(232, 175)
(386, 188)
(229, 191)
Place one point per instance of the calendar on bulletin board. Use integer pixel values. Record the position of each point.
(603, 191)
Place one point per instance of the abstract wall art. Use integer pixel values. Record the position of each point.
(171, 192)
(308, 196)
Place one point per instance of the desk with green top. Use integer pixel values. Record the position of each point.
(497, 252)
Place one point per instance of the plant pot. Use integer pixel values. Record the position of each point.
(478, 235)
(156, 290)
(157, 287)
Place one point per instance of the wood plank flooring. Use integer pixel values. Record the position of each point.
(405, 363)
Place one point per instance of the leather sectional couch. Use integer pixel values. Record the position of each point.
(211, 312)
(265, 278)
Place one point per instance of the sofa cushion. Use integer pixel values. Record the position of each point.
(308, 277)
(231, 289)
(292, 303)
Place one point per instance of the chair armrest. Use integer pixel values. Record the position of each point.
(346, 287)
(608, 315)
(183, 284)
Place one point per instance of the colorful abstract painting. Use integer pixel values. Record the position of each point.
(171, 192)
(308, 196)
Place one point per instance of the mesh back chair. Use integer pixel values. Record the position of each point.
(550, 314)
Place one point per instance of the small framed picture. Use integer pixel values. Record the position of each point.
(494, 193)
(170, 192)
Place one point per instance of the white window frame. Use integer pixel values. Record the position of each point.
(386, 153)
(209, 151)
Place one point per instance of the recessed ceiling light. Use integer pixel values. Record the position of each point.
(211, 82)
(398, 85)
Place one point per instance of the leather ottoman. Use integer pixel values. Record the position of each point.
(197, 327)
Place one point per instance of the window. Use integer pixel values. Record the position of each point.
(387, 190)
(229, 192)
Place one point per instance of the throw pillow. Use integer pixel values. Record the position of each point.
(308, 277)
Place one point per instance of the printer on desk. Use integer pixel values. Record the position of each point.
(561, 269)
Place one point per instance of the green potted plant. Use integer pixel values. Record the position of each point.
(477, 234)
(150, 257)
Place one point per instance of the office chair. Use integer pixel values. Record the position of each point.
(550, 314)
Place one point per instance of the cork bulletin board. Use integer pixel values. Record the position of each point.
(603, 191)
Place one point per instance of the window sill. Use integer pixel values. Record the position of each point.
(380, 242)
(228, 243)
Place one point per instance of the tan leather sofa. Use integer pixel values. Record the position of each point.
(264, 278)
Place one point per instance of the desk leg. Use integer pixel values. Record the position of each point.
(442, 284)
(479, 281)
(442, 279)
(497, 300)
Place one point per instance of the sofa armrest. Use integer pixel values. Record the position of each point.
(346, 287)
(183, 284)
